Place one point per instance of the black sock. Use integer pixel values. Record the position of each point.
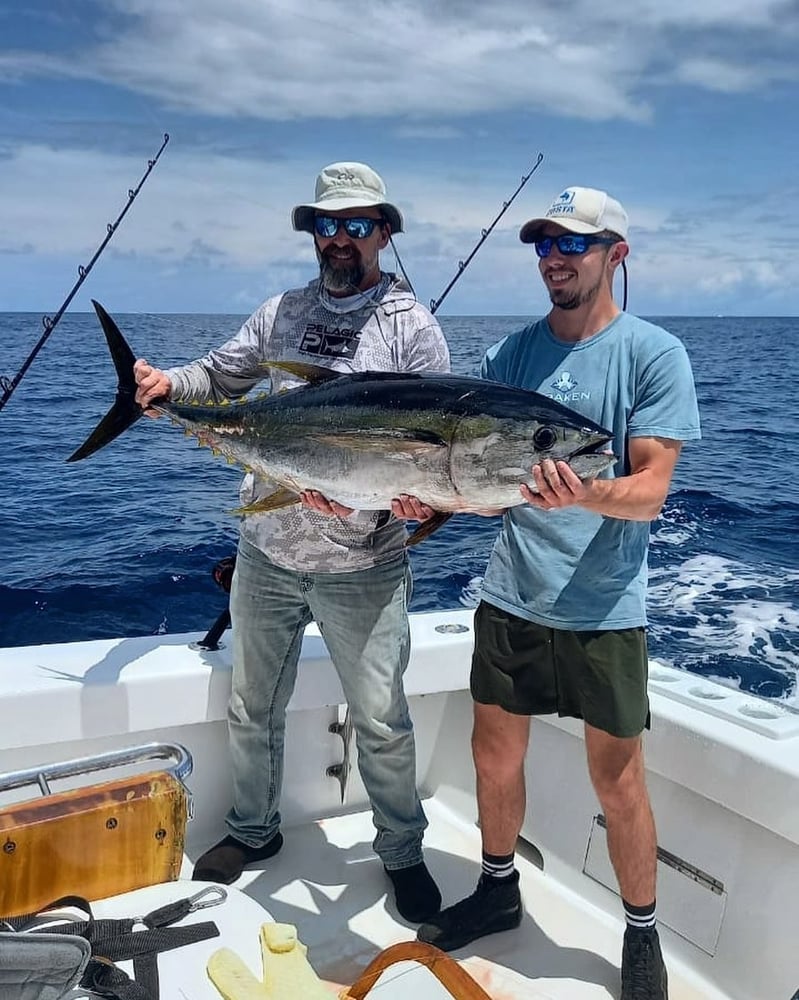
(639, 917)
(415, 892)
(498, 866)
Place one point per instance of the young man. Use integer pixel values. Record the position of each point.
(345, 569)
(561, 625)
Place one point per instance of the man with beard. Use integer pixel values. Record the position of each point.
(345, 569)
(561, 625)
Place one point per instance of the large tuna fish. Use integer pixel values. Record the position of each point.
(456, 443)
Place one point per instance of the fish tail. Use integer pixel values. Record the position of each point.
(125, 410)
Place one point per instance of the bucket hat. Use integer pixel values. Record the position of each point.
(340, 186)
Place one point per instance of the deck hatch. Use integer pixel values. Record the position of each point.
(690, 900)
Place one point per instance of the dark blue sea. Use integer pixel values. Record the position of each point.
(124, 543)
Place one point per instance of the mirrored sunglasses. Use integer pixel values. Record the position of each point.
(569, 244)
(356, 229)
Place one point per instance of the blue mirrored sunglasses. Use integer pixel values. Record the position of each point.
(356, 229)
(569, 244)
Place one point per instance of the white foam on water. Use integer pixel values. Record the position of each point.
(470, 595)
(721, 616)
(716, 595)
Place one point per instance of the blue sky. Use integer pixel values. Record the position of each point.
(687, 112)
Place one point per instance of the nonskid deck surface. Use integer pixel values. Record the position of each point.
(329, 884)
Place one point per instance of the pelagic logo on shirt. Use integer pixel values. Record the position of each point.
(565, 386)
(329, 341)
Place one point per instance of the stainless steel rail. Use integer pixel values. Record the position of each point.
(181, 766)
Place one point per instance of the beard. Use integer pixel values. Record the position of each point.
(339, 275)
(564, 299)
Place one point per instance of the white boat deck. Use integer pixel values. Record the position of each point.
(327, 883)
(722, 769)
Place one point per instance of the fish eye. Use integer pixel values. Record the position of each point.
(544, 438)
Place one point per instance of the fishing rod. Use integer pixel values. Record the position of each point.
(484, 234)
(49, 323)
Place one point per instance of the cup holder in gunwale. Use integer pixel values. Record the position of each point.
(661, 677)
(759, 712)
(707, 694)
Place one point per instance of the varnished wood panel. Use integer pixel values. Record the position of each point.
(92, 842)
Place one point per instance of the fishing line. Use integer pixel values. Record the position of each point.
(49, 323)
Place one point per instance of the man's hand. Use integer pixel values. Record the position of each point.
(316, 501)
(558, 486)
(153, 384)
(408, 508)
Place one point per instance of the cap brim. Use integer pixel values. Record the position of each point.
(302, 216)
(531, 230)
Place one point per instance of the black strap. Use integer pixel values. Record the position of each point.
(108, 980)
(91, 928)
(26, 921)
(143, 947)
(116, 941)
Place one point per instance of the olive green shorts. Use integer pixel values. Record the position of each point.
(530, 669)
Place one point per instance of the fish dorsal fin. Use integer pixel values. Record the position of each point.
(382, 439)
(313, 374)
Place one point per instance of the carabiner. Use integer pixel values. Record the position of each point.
(219, 894)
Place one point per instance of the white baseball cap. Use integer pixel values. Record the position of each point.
(580, 210)
(346, 185)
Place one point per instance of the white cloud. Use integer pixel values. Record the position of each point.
(715, 74)
(231, 216)
(281, 61)
(423, 67)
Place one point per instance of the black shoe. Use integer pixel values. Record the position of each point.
(643, 974)
(415, 893)
(495, 905)
(225, 861)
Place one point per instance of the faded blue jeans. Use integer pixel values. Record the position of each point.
(363, 618)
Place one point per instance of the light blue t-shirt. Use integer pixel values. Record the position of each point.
(572, 568)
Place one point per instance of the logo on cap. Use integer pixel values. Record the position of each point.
(562, 205)
(345, 177)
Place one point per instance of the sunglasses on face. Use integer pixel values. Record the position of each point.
(356, 229)
(569, 244)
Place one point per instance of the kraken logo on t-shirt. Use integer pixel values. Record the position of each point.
(329, 341)
(565, 382)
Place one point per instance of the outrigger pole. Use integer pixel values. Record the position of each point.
(49, 323)
(463, 264)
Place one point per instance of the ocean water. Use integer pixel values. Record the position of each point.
(124, 543)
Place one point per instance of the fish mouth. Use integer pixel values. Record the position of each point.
(594, 447)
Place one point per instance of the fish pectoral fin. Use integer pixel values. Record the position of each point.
(313, 374)
(383, 440)
(282, 497)
(426, 528)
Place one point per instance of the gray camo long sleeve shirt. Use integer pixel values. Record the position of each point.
(384, 329)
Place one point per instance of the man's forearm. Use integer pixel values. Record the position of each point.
(637, 497)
